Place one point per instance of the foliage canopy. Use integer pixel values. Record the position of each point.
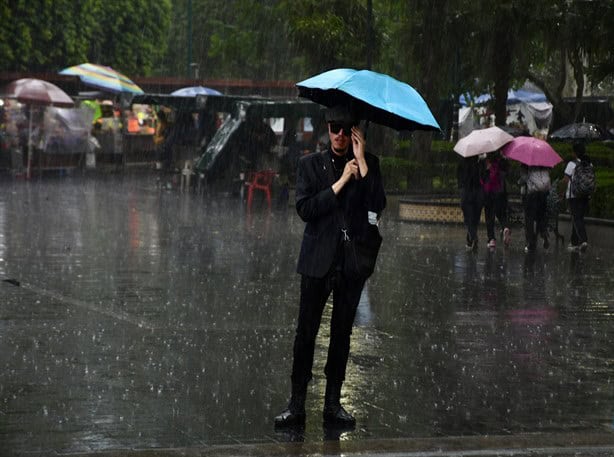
(442, 47)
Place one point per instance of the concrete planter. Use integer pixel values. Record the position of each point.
(431, 209)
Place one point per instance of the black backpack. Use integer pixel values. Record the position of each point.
(583, 179)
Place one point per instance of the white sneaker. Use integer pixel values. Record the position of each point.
(583, 246)
(573, 248)
(507, 236)
(492, 244)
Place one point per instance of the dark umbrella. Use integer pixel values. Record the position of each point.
(579, 131)
(373, 96)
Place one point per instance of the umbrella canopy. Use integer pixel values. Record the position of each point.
(374, 96)
(102, 77)
(532, 152)
(194, 91)
(32, 91)
(482, 141)
(579, 131)
(513, 97)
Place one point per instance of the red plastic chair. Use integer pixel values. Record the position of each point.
(259, 180)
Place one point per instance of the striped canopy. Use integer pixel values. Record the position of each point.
(102, 77)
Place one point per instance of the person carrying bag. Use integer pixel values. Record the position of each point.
(340, 196)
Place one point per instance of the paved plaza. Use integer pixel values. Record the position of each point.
(140, 320)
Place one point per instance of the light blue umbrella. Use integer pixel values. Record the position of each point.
(194, 91)
(373, 96)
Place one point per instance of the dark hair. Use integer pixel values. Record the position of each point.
(579, 149)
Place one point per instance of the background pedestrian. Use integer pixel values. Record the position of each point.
(471, 197)
(578, 204)
(495, 197)
(536, 183)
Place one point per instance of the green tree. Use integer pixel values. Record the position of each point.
(330, 34)
(41, 35)
(233, 39)
(131, 35)
(46, 35)
(574, 43)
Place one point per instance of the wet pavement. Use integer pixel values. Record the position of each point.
(141, 321)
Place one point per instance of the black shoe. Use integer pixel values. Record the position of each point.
(294, 414)
(338, 417)
(290, 418)
(334, 414)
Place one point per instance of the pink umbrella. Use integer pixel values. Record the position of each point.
(30, 91)
(532, 152)
(37, 92)
(482, 141)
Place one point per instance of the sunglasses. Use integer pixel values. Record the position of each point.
(344, 128)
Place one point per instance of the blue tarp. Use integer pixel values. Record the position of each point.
(513, 97)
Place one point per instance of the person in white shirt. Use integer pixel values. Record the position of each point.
(578, 206)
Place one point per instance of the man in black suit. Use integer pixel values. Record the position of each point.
(337, 190)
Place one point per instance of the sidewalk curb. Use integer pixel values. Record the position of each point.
(537, 444)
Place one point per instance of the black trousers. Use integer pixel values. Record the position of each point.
(535, 217)
(578, 208)
(495, 206)
(314, 294)
(471, 204)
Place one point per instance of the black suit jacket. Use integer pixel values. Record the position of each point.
(319, 207)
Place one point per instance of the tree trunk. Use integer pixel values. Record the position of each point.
(575, 58)
(503, 53)
(431, 57)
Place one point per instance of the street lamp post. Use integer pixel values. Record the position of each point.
(195, 66)
(189, 38)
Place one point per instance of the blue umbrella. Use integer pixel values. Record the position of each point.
(194, 91)
(513, 97)
(374, 96)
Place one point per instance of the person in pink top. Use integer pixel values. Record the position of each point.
(495, 197)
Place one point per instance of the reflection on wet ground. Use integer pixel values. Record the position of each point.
(147, 318)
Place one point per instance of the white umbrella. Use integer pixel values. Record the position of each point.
(482, 141)
(32, 91)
